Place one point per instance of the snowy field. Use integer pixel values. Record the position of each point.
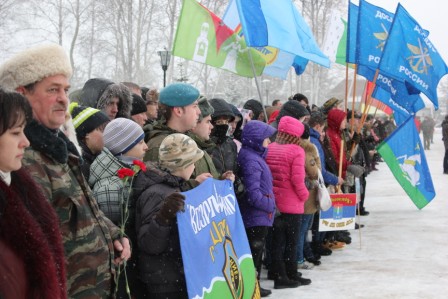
(402, 252)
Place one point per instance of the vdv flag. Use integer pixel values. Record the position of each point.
(372, 33)
(278, 62)
(279, 24)
(352, 28)
(215, 251)
(409, 56)
(396, 95)
(201, 36)
(403, 153)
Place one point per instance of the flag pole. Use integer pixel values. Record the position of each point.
(366, 109)
(346, 87)
(341, 156)
(352, 119)
(257, 84)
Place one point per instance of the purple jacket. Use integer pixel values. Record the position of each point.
(258, 204)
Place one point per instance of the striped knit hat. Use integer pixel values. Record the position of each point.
(86, 119)
(121, 135)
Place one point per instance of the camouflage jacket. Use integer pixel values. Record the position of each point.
(87, 234)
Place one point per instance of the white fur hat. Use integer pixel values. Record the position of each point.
(33, 65)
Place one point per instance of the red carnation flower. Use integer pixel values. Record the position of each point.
(124, 172)
(140, 164)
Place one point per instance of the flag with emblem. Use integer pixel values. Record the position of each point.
(201, 36)
(409, 56)
(403, 153)
(372, 32)
(279, 24)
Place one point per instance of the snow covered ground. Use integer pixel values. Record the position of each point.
(402, 252)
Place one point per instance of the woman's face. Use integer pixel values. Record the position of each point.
(12, 146)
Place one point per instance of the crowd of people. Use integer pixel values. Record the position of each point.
(62, 230)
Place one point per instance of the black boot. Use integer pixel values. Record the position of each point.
(294, 275)
(319, 250)
(281, 280)
(265, 292)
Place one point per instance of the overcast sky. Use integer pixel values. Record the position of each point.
(432, 15)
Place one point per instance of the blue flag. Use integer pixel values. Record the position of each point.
(372, 32)
(215, 251)
(279, 24)
(396, 95)
(403, 153)
(409, 56)
(352, 28)
(278, 62)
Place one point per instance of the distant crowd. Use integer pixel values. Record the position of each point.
(71, 222)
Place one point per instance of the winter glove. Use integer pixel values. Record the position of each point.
(356, 170)
(356, 138)
(172, 204)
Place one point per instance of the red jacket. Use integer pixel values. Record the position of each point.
(334, 120)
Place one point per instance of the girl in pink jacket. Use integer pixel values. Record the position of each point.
(286, 159)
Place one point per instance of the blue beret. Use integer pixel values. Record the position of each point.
(178, 95)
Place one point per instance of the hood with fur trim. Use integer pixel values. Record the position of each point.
(98, 92)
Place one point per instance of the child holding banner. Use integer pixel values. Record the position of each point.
(258, 204)
(158, 201)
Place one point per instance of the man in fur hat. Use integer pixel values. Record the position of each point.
(42, 75)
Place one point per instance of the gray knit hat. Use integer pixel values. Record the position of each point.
(121, 135)
(205, 107)
(178, 151)
(33, 65)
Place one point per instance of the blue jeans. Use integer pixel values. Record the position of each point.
(302, 246)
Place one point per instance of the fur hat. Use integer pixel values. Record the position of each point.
(120, 91)
(205, 107)
(221, 108)
(178, 151)
(121, 135)
(138, 104)
(294, 109)
(33, 65)
(178, 95)
(86, 119)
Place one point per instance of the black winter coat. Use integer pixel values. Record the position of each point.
(160, 259)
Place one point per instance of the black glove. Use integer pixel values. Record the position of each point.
(172, 204)
(356, 137)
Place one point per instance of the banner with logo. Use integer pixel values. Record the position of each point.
(341, 215)
(215, 251)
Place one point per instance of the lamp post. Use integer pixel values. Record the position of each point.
(165, 57)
